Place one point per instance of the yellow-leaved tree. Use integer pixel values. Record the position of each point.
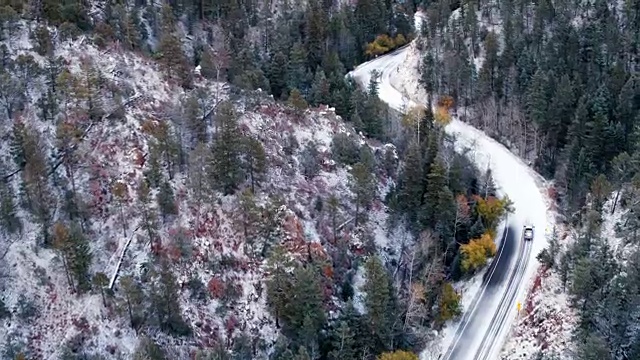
(492, 209)
(382, 44)
(442, 116)
(399, 40)
(476, 252)
(443, 107)
(398, 355)
(449, 305)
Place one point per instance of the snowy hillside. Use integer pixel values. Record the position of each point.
(220, 280)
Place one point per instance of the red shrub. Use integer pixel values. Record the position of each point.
(139, 158)
(230, 325)
(328, 271)
(174, 253)
(216, 288)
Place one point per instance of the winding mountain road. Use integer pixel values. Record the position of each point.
(486, 321)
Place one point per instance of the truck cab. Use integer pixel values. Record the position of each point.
(527, 232)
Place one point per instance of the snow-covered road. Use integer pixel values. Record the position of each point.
(489, 317)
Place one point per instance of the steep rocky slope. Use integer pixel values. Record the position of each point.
(221, 290)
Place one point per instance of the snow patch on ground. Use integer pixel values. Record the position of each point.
(545, 324)
(407, 79)
(610, 229)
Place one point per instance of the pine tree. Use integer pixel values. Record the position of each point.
(370, 19)
(279, 283)
(411, 182)
(593, 348)
(44, 45)
(537, 100)
(627, 108)
(377, 300)
(560, 112)
(428, 78)
(171, 53)
(9, 220)
(309, 160)
(576, 170)
(8, 20)
(255, 161)
(277, 75)
(4, 312)
(197, 117)
(372, 116)
(39, 197)
(166, 201)
(79, 258)
(250, 220)
(133, 299)
(61, 243)
(165, 302)
(207, 64)
(374, 84)
(367, 159)
(298, 75)
(196, 180)
(435, 196)
(488, 186)
(363, 186)
(226, 171)
(487, 76)
(242, 347)
(153, 173)
(148, 218)
(320, 89)
(597, 141)
(343, 343)
(100, 280)
(167, 147)
(358, 124)
(305, 315)
(316, 28)
(88, 88)
(130, 25)
(297, 101)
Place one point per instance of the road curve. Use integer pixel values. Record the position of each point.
(506, 303)
(481, 331)
(495, 276)
(500, 282)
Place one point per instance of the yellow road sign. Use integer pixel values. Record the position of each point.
(519, 306)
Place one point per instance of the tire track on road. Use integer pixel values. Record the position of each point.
(476, 299)
(498, 319)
